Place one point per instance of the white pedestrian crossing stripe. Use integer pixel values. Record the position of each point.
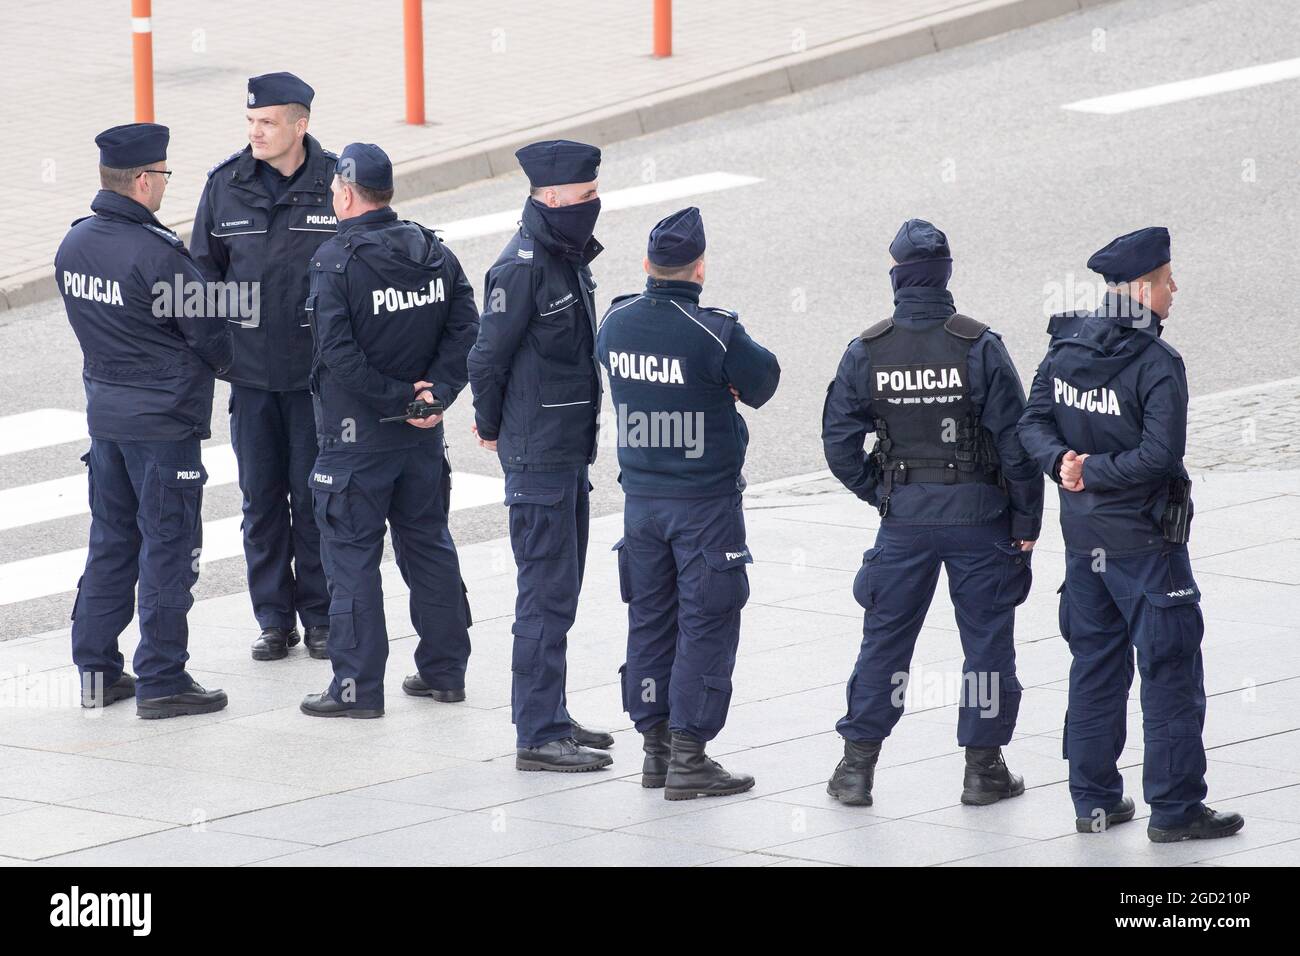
(67, 497)
(629, 198)
(41, 428)
(55, 573)
(1189, 89)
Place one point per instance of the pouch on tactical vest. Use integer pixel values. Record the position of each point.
(927, 428)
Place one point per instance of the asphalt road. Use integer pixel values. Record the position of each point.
(974, 139)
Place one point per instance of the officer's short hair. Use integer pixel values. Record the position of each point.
(297, 111)
(120, 181)
(379, 197)
(675, 273)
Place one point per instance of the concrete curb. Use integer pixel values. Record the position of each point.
(763, 81)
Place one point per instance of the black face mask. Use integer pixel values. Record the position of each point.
(571, 224)
(925, 273)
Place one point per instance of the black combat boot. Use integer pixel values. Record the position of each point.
(852, 780)
(1209, 825)
(987, 778)
(1096, 823)
(195, 700)
(692, 774)
(316, 639)
(657, 744)
(91, 696)
(274, 642)
(595, 739)
(561, 756)
(415, 686)
(323, 705)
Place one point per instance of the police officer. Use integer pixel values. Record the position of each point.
(393, 318)
(537, 392)
(148, 372)
(262, 214)
(676, 366)
(954, 489)
(1107, 420)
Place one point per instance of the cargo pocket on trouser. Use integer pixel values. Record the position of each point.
(622, 686)
(1009, 694)
(180, 499)
(1171, 626)
(714, 701)
(624, 575)
(1063, 612)
(537, 527)
(343, 628)
(1175, 755)
(1017, 577)
(329, 501)
(527, 647)
(725, 584)
(863, 590)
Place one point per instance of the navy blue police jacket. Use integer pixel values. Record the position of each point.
(670, 363)
(533, 370)
(148, 365)
(244, 233)
(390, 306)
(994, 389)
(1112, 388)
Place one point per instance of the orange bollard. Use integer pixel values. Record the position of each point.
(413, 27)
(663, 28)
(142, 58)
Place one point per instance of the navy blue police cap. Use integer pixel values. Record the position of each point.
(677, 240)
(135, 144)
(559, 161)
(1132, 255)
(366, 165)
(919, 240)
(276, 89)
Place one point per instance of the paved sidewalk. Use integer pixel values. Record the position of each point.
(497, 73)
(434, 784)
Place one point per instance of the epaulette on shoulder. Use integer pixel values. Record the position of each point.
(229, 159)
(877, 330)
(724, 313)
(166, 234)
(1169, 348)
(331, 256)
(623, 298)
(524, 252)
(964, 327)
(81, 219)
(1057, 322)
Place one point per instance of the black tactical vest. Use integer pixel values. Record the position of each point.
(926, 427)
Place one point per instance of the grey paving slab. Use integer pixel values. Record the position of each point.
(745, 860)
(45, 831)
(329, 819)
(13, 806)
(606, 805)
(466, 839)
(192, 797)
(277, 758)
(616, 849)
(335, 855)
(182, 846)
(476, 786)
(748, 825)
(896, 843)
(53, 778)
(1279, 854)
(1279, 803)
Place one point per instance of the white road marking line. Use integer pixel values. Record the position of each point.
(65, 497)
(56, 573)
(1189, 89)
(614, 199)
(40, 428)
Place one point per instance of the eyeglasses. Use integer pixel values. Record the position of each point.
(165, 173)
